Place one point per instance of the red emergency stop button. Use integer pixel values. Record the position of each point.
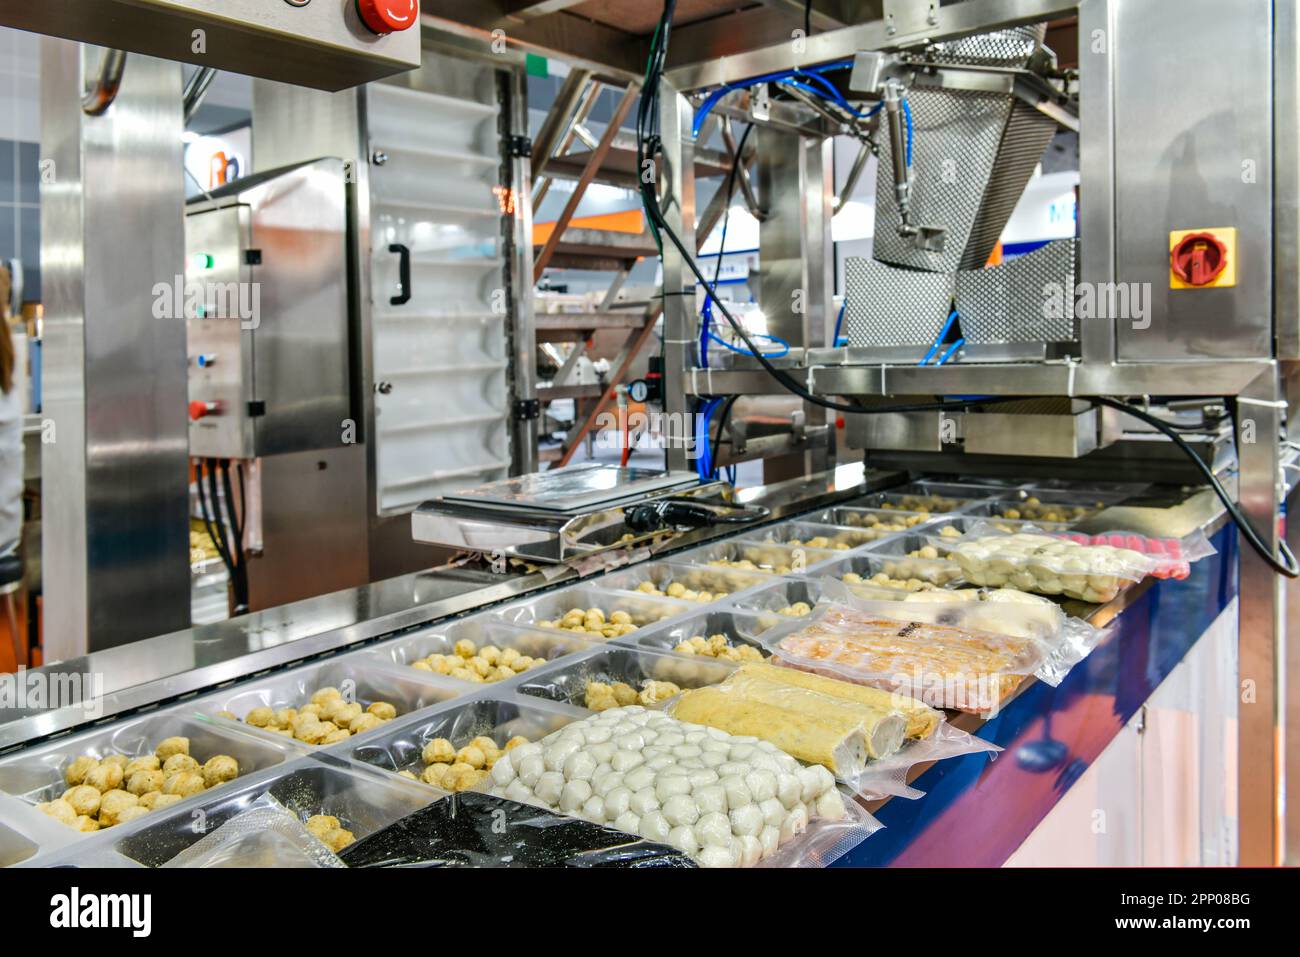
(200, 408)
(388, 16)
(1199, 258)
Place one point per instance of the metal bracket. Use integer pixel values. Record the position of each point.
(519, 146)
(527, 409)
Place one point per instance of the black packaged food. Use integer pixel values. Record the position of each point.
(478, 830)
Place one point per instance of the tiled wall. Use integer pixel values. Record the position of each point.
(20, 131)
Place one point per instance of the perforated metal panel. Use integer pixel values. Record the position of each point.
(1004, 48)
(972, 154)
(893, 307)
(1026, 299)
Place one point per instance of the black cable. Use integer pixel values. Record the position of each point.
(219, 522)
(208, 523)
(1290, 569)
(807, 18)
(241, 594)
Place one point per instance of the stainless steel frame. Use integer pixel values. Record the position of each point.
(115, 492)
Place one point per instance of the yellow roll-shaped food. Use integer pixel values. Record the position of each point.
(921, 719)
(841, 745)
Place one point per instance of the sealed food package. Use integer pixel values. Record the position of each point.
(721, 799)
(1170, 557)
(965, 655)
(267, 834)
(480, 830)
(1048, 564)
(866, 737)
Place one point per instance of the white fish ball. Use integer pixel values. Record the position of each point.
(713, 830)
(681, 810)
(747, 820)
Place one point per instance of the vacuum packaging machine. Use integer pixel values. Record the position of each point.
(398, 651)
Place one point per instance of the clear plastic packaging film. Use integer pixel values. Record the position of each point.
(1089, 568)
(480, 830)
(961, 654)
(723, 800)
(868, 738)
(268, 834)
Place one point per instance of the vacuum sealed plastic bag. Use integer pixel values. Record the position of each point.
(965, 655)
(479, 830)
(1089, 568)
(268, 834)
(1170, 557)
(723, 800)
(866, 737)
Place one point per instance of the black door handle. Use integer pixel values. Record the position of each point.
(403, 273)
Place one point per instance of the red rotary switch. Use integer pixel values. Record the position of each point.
(388, 16)
(1199, 259)
(199, 408)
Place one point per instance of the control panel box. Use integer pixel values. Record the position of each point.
(322, 44)
(265, 301)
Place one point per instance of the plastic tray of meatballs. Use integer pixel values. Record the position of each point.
(779, 601)
(945, 529)
(816, 535)
(339, 805)
(721, 633)
(455, 747)
(888, 577)
(871, 524)
(476, 651)
(123, 772)
(324, 704)
(595, 613)
(700, 584)
(923, 500)
(1049, 505)
(754, 555)
(616, 677)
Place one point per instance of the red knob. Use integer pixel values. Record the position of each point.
(199, 408)
(389, 16)
(1199, 259)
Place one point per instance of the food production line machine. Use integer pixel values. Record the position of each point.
(1175, 309)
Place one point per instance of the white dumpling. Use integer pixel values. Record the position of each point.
(632, 741)
(737, 791)
(603, 753)
(748, 820)
(503, 772)
(774, 812)
(751, 850)
(716, 857)
(644, 801)
(681, 810)
(598, 734)
(548, 786)
(579, 766)
(516, 791)
(761, 783)
(683, 838)
(711, 798)
(557, 753)
(654, 827)
(713, 830)
(593, 809)
(626, 760)
(789, 789)
(671, 785)
(638, 778)
(574, 795)
(813, 784)
(701, 777)
(617, 802)
(831, 806)
(607, 783)
(628, 822)
(530, 769)
(770, 839)
(795, 823)
(712, 759)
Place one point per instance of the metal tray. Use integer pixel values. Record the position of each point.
(718, 582)
(566, 682)
(643, 609)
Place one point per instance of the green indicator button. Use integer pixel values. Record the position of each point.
(204, 261)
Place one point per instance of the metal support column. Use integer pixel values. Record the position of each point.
(519, 252)
(1261, 664)
(116, 494)
(677, 190)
